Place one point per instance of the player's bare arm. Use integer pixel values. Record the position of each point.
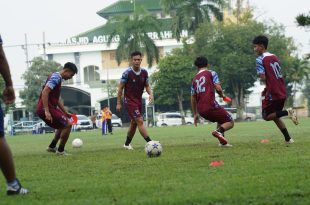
(149, 91)
(62, 108)
(119, 96)
(219, 90)
(194, 108)
(45, 94)
(8, 92)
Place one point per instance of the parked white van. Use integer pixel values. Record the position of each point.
(172, 118)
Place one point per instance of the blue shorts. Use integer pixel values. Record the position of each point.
(1, 123)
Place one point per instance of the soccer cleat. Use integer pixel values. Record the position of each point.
(225, 145)
(292, 114)
(63, 153)
(128, 147)
(220, 137)
(291, 141)
(17, 189)
(50, 149)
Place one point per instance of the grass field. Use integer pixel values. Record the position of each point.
(101, 172)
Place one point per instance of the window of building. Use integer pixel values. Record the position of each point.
(90, 74)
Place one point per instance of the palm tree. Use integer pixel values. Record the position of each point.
(188, 14)
(132, 32)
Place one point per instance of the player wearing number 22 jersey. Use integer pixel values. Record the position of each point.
(204, 85)
(268, 68)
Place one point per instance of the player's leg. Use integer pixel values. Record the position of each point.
(142, 129)
(130, 133)
(64, 136)
(283, 129)
(225, 122)
(275, 110)
(7, 164)
(6, 161)
(52, 147)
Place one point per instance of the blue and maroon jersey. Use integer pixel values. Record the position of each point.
(135, 83)
(54, 83)
(203, 90)
(269, 65)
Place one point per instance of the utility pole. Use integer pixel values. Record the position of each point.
(25, 47)
(44, 47)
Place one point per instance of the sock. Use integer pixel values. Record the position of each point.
(281, 113)
(53, 144)
(13, 183)
(61, 148)
(285, 134)
(221, 130)
(147, 139)
(128, 140)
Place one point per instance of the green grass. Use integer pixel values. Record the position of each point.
(101, 172)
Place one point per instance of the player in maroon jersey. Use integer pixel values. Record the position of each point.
(204, 85)
(133, 82)
(274, 95)
(6, 159)
(52, 111)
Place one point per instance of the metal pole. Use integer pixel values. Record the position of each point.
(108, 86)
(26, 51)
(44, 47)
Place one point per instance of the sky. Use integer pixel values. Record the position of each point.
(60, 19)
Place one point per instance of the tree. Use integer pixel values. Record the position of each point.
(35, 78)
(230, 52)
(2, 85)
(112, 88)
(303, 19)
(189, 14)
(132, 31)
(172, 81)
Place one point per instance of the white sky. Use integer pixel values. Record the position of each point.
(60, 19)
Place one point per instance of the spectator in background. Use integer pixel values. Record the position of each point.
(93, 119)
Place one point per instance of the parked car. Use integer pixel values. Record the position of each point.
(115, 121)
(248, 116)
(172, 118)
(44, 128)
(83, 123)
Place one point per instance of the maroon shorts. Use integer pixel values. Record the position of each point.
(60, 120)
(219, 115)
(271, 106)
(134, 111)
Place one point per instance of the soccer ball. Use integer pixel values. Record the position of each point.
(153, 149)
(77, 143)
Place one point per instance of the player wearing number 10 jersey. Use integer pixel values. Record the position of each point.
(274, 95)
(203, 100)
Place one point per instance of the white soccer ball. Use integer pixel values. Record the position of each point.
(77, 143)
(153, 149)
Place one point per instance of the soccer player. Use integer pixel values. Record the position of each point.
(52, 111)
(133, 82)
(274, 95)
(6, 159)
(203, 100)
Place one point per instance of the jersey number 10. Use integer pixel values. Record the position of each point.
(276, 69)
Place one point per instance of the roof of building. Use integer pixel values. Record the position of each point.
(127, 6)
(107, 29)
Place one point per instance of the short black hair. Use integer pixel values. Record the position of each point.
(262, 40)
(71, 66)
(201, 62)
(135, 53)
